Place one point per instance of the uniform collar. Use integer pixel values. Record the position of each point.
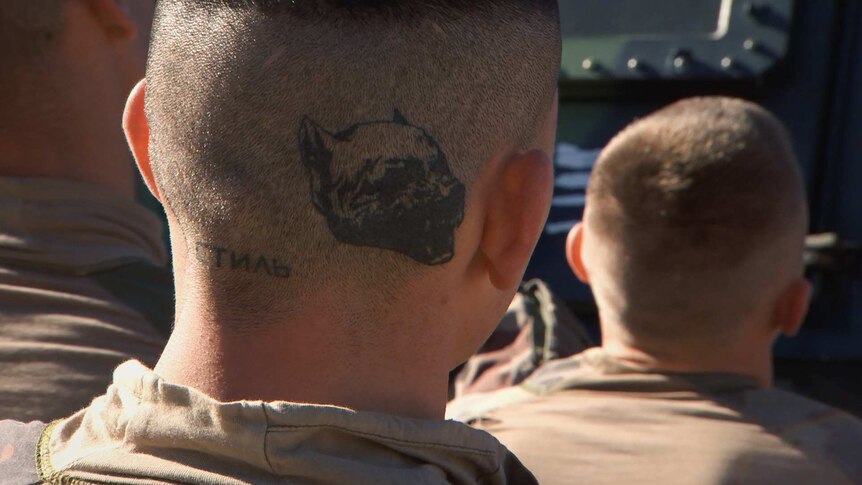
(147, 427)
(594, 369)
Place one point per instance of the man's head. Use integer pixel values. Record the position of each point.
(375, 150)
(695, 225)
(41, 39)
(66, 67)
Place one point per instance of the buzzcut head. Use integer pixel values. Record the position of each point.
(339, 137)
(702, 214)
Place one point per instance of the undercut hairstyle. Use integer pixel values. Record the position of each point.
(703, 206)
(309, 141)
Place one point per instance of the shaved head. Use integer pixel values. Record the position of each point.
(697, 215)
(296, 142)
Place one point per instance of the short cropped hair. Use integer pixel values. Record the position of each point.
(333, 137)
(692, 197)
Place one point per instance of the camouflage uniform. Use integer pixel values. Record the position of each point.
(593, 419)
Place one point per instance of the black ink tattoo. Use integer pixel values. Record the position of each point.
(385, 184)
(229, 260)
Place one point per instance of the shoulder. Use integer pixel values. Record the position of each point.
(473, 407)
(18, 445)
(786, 412)
(817, 429)
(545, 384)
(515, 472)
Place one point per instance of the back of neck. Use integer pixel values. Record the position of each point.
(308, 358)
(724, 357)
(52, 131)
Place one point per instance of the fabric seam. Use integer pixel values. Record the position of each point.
(475, 451)
(44, 467)
(265, 440)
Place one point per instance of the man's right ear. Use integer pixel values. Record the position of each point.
(574, 252)
(137, 129)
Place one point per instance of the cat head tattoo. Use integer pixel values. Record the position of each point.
(384, 184)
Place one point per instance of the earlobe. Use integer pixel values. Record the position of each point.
(137, 130)
(574, 247)
(794, 307)
(520, 199)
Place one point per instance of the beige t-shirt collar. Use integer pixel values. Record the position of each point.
(147, 427)
(594, 369)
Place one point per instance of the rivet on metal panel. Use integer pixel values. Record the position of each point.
(679, 60)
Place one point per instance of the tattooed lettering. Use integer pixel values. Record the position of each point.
(385, 184)
(240, 261)
(230, 260)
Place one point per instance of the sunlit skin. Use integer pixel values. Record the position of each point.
(307, 356)
(68, 106)
(748, 352)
